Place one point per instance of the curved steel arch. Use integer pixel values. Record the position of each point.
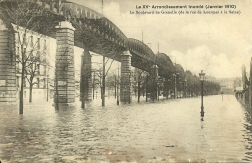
(138, 47)
(180, 70)
(94, 21)
(165, 64)
(166, 58)
(99, 33)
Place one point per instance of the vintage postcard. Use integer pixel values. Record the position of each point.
(165, 81)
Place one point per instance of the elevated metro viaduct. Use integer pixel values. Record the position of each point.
(77, 25)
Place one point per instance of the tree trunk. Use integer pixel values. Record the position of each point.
(138, 90)
(30, 95)
(146, 88)
(83, 101)
(83, 81)
(143, 91)
(103, 81)
(57, 93)
(117, 93)
(47, 89)
(21, 97)
(115, 87)
(93, 84)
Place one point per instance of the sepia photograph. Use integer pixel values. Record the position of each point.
(125, 81)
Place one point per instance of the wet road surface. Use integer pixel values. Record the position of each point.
(164, 131)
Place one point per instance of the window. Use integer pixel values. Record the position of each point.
(42, 70)
(38, 69)
(31, 41)
(31, 55)
(24, 52)
(38, 82)
(38, 42)
(25, 41)
(18, 52)
(38, 56)
(44, 82)
(44, 44)
(19, 67)
(17, 81)
(24, 82)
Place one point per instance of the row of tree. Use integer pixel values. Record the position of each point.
(25, 18)
(188, 85)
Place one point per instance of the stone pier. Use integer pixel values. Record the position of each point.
(166, 87)
(86, 76)
(250, 89)
(7, 65)
(125, 87)
(154, 78)
(64, 72)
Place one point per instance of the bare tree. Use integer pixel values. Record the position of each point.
(98, 42)
(30, 74)
(140, 75)
(35, 62)
(25, 18)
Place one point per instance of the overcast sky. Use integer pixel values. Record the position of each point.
(219, 44)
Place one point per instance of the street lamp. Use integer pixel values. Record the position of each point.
(168, 89)
(158, 87)
(185, 89)
(175, 84)
(201, 75)
(222, 95)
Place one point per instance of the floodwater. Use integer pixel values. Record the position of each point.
(164, 131)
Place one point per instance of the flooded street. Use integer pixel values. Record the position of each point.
(164, 131)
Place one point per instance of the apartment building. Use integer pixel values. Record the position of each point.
(37, 49)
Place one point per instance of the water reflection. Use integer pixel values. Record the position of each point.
(156, 132)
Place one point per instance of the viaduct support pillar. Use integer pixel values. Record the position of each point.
(154, 82)
(166, 88)
(7, 65)
(250, 91)
(86, 75)
(64, 72)
(125, 87)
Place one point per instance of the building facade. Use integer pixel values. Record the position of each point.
(227, 85)
(38, 64)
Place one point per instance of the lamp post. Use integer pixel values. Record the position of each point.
(175, 84)
(117, 92)
(146, 88)
(181, 85)
(93, 83)
(47, 83)
(158, 90)
(201, 75)
(185, 89)
(115, 86)
(168, 89)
